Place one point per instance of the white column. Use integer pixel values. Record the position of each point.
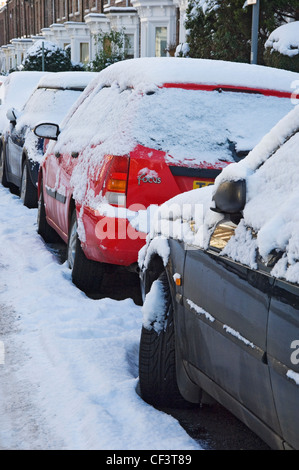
(59, 35)
(96, 23)
(182, 5)
(78, 33)
(155, 14)
(127, 18)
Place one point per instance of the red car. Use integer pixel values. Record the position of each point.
(143, 131)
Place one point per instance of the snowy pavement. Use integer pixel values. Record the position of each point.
(70, 367)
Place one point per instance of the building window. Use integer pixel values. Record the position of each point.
(129, 45)
(161, 41)
(84, 52)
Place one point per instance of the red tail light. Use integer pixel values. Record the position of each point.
(116, 181)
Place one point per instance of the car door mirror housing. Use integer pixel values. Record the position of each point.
(47, 131)
(11, 114)
(230, 197)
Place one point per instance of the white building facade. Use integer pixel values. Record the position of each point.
(153, 27)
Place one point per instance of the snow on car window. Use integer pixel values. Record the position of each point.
(200, 126)
(47, 103)
(273, 206)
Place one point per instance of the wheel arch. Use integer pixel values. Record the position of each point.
(155, 266)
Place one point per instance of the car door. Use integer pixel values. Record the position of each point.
(67, 164)
(226, 305)
(51, 172)
(13, 153)
(283, 357)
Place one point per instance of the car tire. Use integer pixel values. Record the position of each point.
(87, 274)
(28, 193)
(43, 228)
(157, 359)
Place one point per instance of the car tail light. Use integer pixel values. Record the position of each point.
(116, 181)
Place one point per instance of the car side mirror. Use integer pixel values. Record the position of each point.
(11, 114)
(230, 197)
(47, 131)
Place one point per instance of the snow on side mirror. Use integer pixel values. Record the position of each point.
(47, 131)
(11, 114)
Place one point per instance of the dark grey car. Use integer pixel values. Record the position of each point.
(221, 315)
(21, 151)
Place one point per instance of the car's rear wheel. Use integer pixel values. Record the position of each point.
(43, 228)
(28, 193)
(87, 274)
(157, 356)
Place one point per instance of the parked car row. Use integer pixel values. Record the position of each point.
(143, 131)
(146, 131)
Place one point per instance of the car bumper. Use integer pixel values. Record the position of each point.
(109, 239)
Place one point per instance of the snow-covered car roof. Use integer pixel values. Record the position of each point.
(145, 72)
(126, 105)
(271, 214)
(67, 80)
(53, 97)
(15, 91)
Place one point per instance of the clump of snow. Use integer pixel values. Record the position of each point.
(153, 309)
(236, 334)
(285, 39)
(159, 246)
(37, 49)
(200, 310)
(206, 6)
(293, 375)
(243, 246)
(182, 50)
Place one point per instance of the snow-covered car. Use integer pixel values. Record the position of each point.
(220, 277)
(15, 91)
(144, 131)
(21, 150)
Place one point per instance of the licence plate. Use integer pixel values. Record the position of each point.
(202, 183)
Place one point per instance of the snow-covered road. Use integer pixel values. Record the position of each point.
(69, 372)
